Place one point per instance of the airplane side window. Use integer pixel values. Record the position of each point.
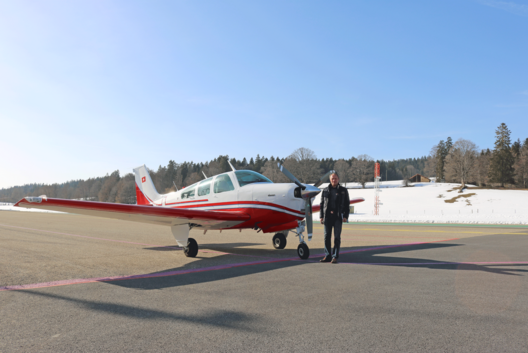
(223, 183)
(187, 194)
(204, 189)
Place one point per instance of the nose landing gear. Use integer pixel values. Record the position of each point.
(302, 250)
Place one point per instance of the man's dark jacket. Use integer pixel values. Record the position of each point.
(342, 202)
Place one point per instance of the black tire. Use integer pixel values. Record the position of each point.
(191, 250)
(303, 251)
(279, 241)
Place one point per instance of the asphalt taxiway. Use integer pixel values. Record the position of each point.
(76, 283)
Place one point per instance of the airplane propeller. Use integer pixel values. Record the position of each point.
(308, 192)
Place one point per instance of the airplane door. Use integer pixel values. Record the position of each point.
(245, 193)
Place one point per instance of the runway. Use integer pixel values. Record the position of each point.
(75, 283)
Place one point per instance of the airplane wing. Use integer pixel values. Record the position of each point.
(317, 208)
(138, 213)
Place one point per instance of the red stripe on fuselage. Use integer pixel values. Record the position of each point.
(243, 203)
(174, 203)
(263, 218)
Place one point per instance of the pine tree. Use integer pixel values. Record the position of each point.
(170, 175)
(448, 145)
(501, 165)
(440, 160)
(516, 148)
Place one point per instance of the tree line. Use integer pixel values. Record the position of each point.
(462, 162)
(303, 163)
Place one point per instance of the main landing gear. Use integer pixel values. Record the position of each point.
(302, 250)
(279, 241)
(191, 249)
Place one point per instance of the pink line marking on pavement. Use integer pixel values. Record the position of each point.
(121, 278)
(436, 263)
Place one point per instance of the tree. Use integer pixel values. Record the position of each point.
(460, 161)
(303, 164)
(107, 192)
(126, 190)
(448, 145)
(362, 169)
(430, 163)
(192, 178)
(342, 168)
(516, 148)
(521, 165)
(501, 164)
(482, 167)
(440, 157)
(170, 177)
(441, 152)
(271, 171)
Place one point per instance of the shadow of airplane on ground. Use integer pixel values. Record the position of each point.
(219, 318)
(264, 263)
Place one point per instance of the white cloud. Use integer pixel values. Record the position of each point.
(512, 7)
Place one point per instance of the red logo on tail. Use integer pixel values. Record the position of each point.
(143, 179)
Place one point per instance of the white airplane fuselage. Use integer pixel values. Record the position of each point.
(272, 207)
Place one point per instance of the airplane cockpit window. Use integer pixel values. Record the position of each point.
(204, 188)
(246, 177)
(188, 192)
(223, 183)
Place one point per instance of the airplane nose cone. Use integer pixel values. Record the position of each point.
(310, 191)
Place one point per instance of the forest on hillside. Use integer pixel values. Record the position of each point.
(460, 162)
(303, 163)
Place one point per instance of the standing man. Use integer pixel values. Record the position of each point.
(334, 211)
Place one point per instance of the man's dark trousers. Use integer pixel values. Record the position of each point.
(337, 224)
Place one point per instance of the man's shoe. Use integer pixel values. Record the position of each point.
(326, 259)
(334, 260)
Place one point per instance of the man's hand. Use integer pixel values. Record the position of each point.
(345, 220)
(322, 221)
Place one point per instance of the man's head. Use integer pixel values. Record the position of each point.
(334, 179)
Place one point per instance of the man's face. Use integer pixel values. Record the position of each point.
(334, 180)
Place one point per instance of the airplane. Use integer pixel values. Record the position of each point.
(238, 199)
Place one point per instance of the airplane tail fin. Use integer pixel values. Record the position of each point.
(146, 192)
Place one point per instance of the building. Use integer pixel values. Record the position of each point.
(418, 178)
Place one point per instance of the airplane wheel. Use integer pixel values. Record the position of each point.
(279, 241)
(303, 251)
(191, 249)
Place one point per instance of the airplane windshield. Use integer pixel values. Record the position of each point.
(246, 177)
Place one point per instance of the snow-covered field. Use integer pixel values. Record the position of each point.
(424, 203)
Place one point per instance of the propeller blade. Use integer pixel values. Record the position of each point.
(323, 178)
(309, 218)
(290, 176)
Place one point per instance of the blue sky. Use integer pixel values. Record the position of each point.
(88, 87)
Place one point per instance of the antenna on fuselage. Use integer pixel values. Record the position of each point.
(175, 185)
(231, 165)
(204, 174)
